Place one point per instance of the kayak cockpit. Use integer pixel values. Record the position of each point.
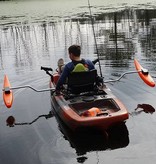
(97, 106)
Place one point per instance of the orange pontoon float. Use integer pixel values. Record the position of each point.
(144, 74)
(7, 93)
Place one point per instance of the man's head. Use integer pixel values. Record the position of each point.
(74, 50)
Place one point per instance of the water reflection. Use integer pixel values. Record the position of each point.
(120, 35)
(11, 122)
(146, 108)
(31, 39)
(85, 140)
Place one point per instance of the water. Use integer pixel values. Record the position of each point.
(38, 33)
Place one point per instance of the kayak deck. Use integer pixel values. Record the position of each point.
(106, 106)
(96, 111)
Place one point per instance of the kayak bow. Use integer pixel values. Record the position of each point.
(144, 74)
(7, 93)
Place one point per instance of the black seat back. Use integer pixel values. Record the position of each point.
(79, 82)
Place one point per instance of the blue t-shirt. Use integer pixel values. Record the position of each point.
(69, 68)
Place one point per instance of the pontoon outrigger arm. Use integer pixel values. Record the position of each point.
(121, 76)
(28, 86)
(53, 89)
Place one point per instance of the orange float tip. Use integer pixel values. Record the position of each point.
(145, 76)
(7, 92)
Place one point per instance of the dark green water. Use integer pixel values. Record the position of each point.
(38, 33)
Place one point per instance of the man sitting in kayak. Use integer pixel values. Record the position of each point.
(74, 54)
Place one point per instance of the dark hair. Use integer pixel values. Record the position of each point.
(75, 50)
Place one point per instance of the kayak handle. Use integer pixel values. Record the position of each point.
(46, 68)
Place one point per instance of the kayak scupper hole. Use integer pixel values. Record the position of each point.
(102, 114)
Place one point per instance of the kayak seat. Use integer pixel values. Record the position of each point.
(79, 82)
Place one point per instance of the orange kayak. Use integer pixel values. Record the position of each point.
(145, 76)
(100, 110)
(7, 93)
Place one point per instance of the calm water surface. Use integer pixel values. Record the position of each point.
(38, 33)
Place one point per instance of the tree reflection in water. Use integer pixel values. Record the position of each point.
(120, 35)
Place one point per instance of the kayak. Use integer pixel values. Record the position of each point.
(83, 102)
(99, 109)
(7, 93)
(144, 75)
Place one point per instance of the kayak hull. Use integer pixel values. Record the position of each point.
(72, 111)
